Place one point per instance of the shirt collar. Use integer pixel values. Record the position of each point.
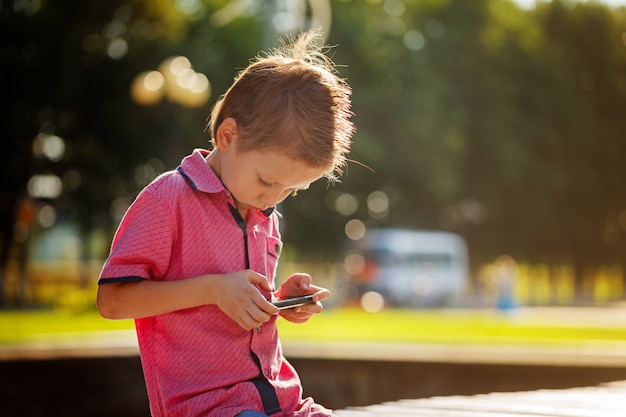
(200, 176)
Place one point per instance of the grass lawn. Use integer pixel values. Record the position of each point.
(433, 326)
(445, 326)
(18, 326)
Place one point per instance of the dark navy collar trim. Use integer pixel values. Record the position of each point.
(268, 212)
(187, 178)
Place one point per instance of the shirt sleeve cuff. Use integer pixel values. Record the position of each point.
(120, 279)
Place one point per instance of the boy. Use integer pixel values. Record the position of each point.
(194, 259)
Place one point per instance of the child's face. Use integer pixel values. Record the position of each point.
(262, 179)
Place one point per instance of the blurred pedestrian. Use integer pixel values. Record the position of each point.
(505, 277)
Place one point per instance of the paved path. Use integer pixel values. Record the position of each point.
(608, 400)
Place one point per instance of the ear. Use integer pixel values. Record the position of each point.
(227, 134)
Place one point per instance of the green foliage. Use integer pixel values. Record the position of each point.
(509, 111)
(502, 124)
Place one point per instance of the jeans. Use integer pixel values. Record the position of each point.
(249, 413)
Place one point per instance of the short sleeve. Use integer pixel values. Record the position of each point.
(142, 245)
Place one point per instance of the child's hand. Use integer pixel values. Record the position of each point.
(240, 300)
(300, 284)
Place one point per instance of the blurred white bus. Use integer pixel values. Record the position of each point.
(408, 268)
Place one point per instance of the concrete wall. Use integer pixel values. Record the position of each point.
(94, 387)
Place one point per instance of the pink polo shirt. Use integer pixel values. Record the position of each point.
(198, 361)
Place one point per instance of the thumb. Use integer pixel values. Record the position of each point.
(303, 281)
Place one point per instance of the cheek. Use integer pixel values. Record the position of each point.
(284, 195)
(236, 187)
(247, 190)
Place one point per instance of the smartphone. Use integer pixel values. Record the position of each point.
(292, 302)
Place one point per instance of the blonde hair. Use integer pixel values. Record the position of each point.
(291, 100)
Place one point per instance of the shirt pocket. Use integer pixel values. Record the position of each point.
(274, 247)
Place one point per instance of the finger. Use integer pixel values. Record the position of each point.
(299, 281)
(259, 280)
(260, 315)
(262, 305)
(245, 322)
(321, 295)
(304, 281)
(310, 309)
(249, 321)
(302, 313)
(295, 317)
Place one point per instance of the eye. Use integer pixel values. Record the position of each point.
(264, 183)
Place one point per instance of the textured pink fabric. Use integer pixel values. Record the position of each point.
(198, 362)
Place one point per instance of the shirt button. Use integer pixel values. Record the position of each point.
(267, 373)
(259, 329)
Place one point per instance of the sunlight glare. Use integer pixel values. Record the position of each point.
(529, 4)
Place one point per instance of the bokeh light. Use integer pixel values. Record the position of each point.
(372, 302)
(394, 8)
(355, 229)
(47, 215)
(117, 48)
(147, 88)
(48, 146)
(423, 284)
(414, 40)
(354, 262)
(176, 80)
(45, 186)
(378, 205)
(346, 204)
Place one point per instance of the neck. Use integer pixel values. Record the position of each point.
(213, 160)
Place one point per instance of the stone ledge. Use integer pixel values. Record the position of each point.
(124, 343)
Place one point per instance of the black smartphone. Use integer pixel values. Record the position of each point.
(291, 302)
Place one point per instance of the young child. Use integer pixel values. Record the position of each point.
(194, 259)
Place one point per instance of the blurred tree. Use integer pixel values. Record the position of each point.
(479, 117)
(502, 124)
(589, 152)
(67, 67)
